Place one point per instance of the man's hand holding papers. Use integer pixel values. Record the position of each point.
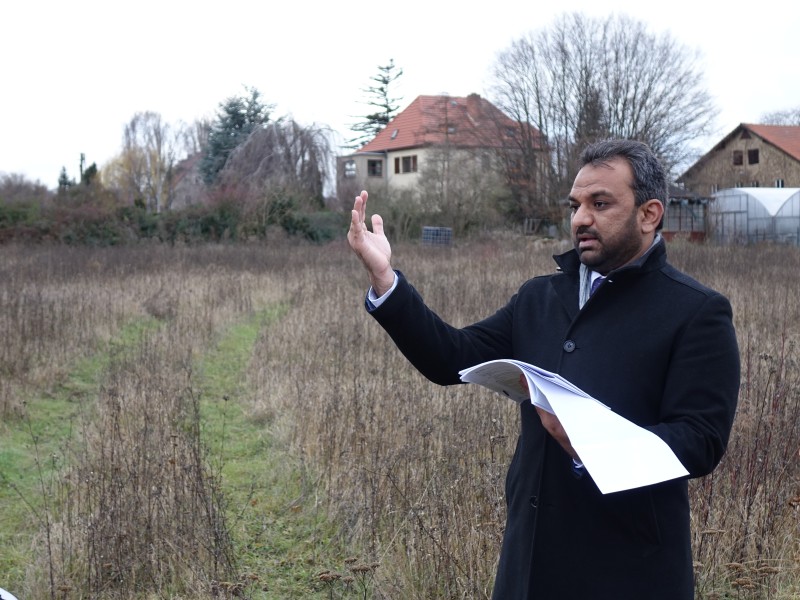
(617, 453)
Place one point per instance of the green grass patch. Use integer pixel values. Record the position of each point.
(282, 535)
(33, 449)
(31, 452)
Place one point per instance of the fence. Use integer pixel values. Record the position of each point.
(437, 236)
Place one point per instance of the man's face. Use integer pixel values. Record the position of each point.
(606, 224)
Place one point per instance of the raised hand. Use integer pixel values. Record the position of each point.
(371, 247)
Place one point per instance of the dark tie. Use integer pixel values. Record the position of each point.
(596, 284)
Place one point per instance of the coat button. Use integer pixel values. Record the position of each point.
(569, 346)
(534, 502)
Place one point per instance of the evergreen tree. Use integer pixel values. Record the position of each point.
(381, 99)
(88, 175)
(235, 120)
(64, 182)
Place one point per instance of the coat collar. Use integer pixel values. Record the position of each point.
(652, 260)
(567, 287)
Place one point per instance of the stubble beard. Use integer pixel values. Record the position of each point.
(622, 250)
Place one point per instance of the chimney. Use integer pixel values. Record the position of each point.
(474, 105)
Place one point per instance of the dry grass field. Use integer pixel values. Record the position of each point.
(227, 421)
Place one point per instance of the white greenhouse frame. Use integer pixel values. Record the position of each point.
(753, 215)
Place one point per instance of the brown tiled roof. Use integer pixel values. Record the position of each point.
(465, 122)
(783, 137)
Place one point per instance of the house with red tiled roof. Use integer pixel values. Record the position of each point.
(468, 130)
(750, 156)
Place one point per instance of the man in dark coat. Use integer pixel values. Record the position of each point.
(654, 345)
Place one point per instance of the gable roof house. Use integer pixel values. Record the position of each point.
(750, 156)
(414, 140)
(749, 181)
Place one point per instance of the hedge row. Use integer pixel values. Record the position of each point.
(225, 221)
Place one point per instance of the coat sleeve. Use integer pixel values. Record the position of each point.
(438, 350)
(702, 388)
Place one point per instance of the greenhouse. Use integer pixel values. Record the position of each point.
(752, 215)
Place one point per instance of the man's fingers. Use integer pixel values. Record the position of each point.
(360, 204)
(355, 221)
(358, 209)
(377, 225)
(358, 225)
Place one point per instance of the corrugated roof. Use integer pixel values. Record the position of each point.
(785, 137)
(465, 122)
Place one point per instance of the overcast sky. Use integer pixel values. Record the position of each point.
(73, 73)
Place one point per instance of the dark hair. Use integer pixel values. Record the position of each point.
(649, 175)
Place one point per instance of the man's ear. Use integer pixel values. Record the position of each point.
(651, 213)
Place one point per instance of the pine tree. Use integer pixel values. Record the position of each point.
(381, 99)
(64, 182)
(88, 174)
(235, 120)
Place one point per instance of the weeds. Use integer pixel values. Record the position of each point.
(358, 584)
(233, 449)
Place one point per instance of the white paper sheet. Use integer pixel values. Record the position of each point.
(617, 453)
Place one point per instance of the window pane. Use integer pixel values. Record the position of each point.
(409, 164)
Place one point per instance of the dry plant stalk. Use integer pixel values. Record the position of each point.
(413, 473)
(137, 509)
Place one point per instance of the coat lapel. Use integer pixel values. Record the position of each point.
(566, 289)
(566, 285)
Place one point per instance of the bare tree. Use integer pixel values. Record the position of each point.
(16, 188)
(194, 136)
(144, 169)
(586, 78)
(285, 155)
(459, 188)
(789, 117)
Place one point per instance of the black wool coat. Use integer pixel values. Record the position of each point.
(655, 346)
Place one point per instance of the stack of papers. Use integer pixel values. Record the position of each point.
(618, 454)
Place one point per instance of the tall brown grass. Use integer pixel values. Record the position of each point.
(136, 505)
(745, 517)
(412, 473)
(415, 471)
